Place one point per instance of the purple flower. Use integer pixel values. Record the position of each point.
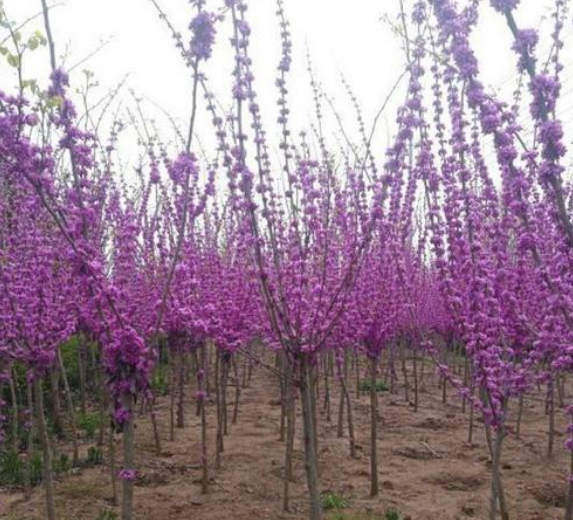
(504, 5)
(203, 30)
(127, 474)
(121, 416)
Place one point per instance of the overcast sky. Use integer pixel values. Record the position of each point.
(349, 38)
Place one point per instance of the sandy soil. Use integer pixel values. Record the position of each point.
(428, 471)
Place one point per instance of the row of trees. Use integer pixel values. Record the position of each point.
(324, 256)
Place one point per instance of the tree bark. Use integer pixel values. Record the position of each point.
(373, 429)
(71, 408)
(128, 458)
(307, 395)
(48, 467)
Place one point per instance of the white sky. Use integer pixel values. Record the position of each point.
(343, 37)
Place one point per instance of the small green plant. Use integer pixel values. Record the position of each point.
(62, 464)
(36, 468)
(333, 501)
(107, 514)
(12, 471)
(95, 456)
(15, 471)
(365, 385)
(70, 357)
(392, 514)
(89, 422)
(160, 380)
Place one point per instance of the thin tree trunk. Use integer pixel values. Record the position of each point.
(103, 413)
(15, 413)
(315, 377)
(225, 385)
(112, 466)
(357, 371)
(290, 431)
(128, 459)
(71, 408)
(373, 429)
(519, 417)
(497, 495)
(202, 384)
(245, 370)
(154, 425)
(282, 363)
(405, 373)
(327, 389)
(351, 438)
(340, 423)
(31, 429)
(551, 403)
(416, 388)
(219, 438)
(569, 505)
(181, 391)
(561, 390)
(422, 370)
(472, 410)
(466, 375)
(82, 372)
(48, 467)
(311, 456)
(237, 390)
(393, 374)
(56, 404)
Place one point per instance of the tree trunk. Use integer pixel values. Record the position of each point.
(327, 389)
(551, 403)
(172, 395)
(351, 438)
(497, 495)
(82, 372)
(32, 427)
(416, 388)
(357, 371)
(202, 384)
(373, 429)
(219, 437)
(111, 445)
(48, 469)
(569, 505)
(237, 390)
(519, 418)
(71, 408)
(55, 401)
(282, 363)
(311, 456)
(128, 458)
(181, 391)
(341, 375)
(15, 413)
(154, 425)
(405, 372)
(224, 386)
(290, 431)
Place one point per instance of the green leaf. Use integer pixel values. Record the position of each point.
(54, 102)
(32, 84)
(13, 61)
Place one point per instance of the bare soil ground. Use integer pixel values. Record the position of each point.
(428, 471)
